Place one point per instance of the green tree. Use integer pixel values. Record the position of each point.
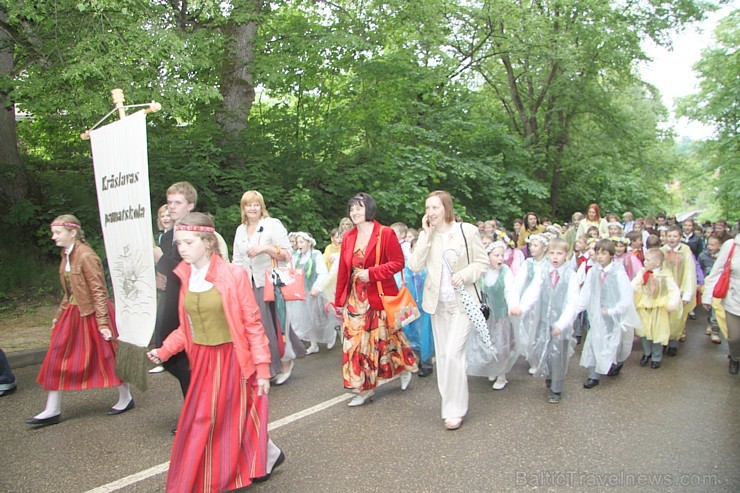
(717, 104)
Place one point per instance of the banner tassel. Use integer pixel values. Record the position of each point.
(132, 364)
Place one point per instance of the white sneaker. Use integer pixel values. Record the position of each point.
(313, 349)
(532, 371)
(157, 369)
(333, 341)
(500, 383)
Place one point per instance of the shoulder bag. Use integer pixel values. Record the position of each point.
(401, 309)
(723, 283)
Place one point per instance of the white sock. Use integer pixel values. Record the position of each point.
(273, 452)
(53, 405)
(124, 396)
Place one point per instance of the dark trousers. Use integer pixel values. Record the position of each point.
(167, 321)
(7, 379)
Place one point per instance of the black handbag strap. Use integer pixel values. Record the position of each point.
(467, 254)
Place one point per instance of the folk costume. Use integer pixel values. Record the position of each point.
(222, 438)
(79, 357)
(656, 295)
(607, 297)
(556, 301)
(681, 263)
(498, 287)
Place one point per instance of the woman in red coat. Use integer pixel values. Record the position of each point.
(222, 442)
(372, 350)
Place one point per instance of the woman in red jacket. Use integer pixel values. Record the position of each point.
(372, 350)
(222, 442)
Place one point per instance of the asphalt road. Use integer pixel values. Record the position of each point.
(670, 429)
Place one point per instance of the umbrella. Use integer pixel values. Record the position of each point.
(472, 310)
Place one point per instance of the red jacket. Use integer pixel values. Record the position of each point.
(391, 261)
(242, 316)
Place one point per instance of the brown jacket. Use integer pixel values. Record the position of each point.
(87, 284)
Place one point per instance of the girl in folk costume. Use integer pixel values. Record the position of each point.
(308, 317)
(656, 296)
(497, 283)
(593, 218)
(526, 279)
(222, 441)
(630, 262)
(607, 297)
(81, 354)
(513, 257)
(680, 261)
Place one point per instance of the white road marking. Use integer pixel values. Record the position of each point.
(161, 468)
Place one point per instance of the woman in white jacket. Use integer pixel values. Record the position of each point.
(454, 257)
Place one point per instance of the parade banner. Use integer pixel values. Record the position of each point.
(122, 182)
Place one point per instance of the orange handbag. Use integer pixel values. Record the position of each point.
(401, 309)
(289, 279)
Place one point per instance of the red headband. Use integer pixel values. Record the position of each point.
(199, 229)
(66, 224)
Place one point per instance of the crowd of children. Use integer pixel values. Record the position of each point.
(597, 282)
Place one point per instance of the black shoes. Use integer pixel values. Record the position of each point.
(8, 391)
(548, 383)
(280, 460)
(655, 365)
(614, 370)
(425, 372)
(578, 340)
(671, 351)
(590, 383)
(42, 422)
(645, 359)
(113, 411)
(734, 367)
(554, 398)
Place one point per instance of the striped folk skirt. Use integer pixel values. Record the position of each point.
(221, 440)
(78, 357)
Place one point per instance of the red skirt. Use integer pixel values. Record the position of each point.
(221, 441)
(78, 357)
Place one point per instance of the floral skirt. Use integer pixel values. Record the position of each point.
(221, 441)
(79, 357)
(372, 350)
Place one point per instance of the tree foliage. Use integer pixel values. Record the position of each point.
(718, 104)
(511, 106)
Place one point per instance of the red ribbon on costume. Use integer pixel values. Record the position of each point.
(646, 276)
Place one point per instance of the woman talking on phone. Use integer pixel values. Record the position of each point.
(454, 257)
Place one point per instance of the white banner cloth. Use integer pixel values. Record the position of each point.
(122, 182)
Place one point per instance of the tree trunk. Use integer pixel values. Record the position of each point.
(13, 179)
(237, 86)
